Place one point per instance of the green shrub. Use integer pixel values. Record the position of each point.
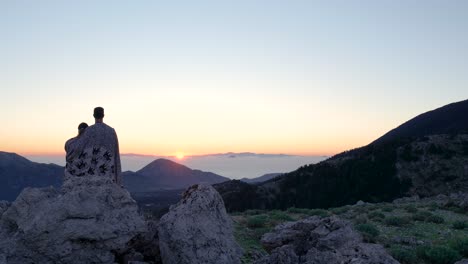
(435, 219)
(360, 209)
(421, 216)
(404, 255)
(257, 221)
(459, 225)
(411, 209)
(387, 208)
(397, 221)
(340, 210)
(369, 232)
(376, 216)
(295, 210)
(253, 212)
(421, 251)
(280, 216)
(372, 207)
(456, 209)
(460, 245)
(433, 206)
(441, 255)
(318, 212)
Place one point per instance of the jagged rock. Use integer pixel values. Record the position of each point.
(3, 207)
(282, 255)
(460, 199)
(198, 230)
(360, 202)
(254, 254)
(318, 240)
(463, 261)
(89, 220)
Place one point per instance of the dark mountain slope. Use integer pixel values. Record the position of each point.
(17, 172)
(408, 160)
(449, 119)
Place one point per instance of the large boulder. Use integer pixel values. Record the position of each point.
(318, 240)
(88, 220)
(198, 230)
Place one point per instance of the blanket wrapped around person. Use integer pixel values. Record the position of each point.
(94, 153)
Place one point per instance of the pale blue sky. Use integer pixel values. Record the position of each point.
(299, 77)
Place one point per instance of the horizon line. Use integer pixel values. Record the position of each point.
(127, 154)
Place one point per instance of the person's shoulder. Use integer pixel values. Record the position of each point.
(102, 126)
(70, 141)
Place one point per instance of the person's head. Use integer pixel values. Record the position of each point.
(81, 128)
(98, 114)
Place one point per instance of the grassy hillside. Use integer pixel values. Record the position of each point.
(412, 232)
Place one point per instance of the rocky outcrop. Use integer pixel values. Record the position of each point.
(88, 220)
(458, 199)
(320, 240)
(198, 230)
(463, 261)
(3, 207)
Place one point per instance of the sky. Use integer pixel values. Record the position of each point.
(199, 77)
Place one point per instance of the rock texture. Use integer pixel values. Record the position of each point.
(463, 261)
(3, 207)
(457, 199)
(198, 230)
(314, 241)
(88, 220)
(144, 246)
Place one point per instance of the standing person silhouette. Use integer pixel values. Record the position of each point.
(96, 151)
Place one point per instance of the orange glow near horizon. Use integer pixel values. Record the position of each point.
(303, 150)
(291, 137)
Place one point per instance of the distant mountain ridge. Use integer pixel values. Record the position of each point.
(17, 172)
(227, 154)
(263, 178)
(425, 156)
(166, 174)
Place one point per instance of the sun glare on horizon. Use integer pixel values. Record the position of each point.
(180, 155)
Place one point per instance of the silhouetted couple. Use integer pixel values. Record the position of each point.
(94, 151)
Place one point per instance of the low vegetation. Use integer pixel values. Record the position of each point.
(412, 233)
